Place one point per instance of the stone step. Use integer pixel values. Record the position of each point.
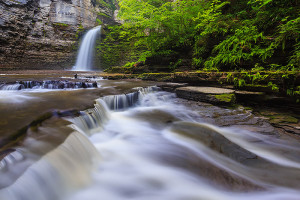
(213, 95)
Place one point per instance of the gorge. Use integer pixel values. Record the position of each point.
(163, 121)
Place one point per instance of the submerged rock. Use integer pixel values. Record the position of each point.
(213, 139)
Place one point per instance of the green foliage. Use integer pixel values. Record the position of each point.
(245, 44)
(106, 4)
(273, 86)
(197, 62)
(295, 58)
(102, 14)
(143, 56)
(99, 22)
(80, 29)
(244, 78)
(175, 65)
(129, 64)
(257, 68)
(229, 77)
(161, 25)
(239, 82)
(222, 35)
(117, 47)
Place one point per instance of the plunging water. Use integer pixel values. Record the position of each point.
(145, 146)
(84, 60)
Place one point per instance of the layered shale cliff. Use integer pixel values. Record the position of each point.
(44, 34)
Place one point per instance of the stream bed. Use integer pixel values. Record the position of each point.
(128, 139)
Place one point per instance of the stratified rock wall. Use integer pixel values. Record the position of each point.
(43, 34)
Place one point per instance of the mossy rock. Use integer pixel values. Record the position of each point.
(213, 95)
(276, 119)
(228, 98)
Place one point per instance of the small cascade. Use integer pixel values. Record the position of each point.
(16, 86)
(20, 85)
(124, 101)
(92, 120)
(62, 170)
(10, 159)
(84, 60)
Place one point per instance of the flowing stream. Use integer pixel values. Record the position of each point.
(146, 144)
(84, 60)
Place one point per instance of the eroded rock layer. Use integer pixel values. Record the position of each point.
(43, 34)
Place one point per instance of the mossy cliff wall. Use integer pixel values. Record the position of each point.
(43, 34)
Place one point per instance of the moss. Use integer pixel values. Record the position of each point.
(125, 70)
(248, 108)
(103, 14)
(107, 4)
(283, 119)
(277, 118)
(228, 98)
(99, 22)
(61, 24)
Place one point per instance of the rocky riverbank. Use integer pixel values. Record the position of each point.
(271, 96)
(280, 111)
(242, 108)
(271, 86)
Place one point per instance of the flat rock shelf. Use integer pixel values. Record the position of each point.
(219, 96)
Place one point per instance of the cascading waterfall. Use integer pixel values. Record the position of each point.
(92, 120)
(20, 85)
(58, 172)
(152, 148)
(129, 139)
(85, 55)
(124, 101)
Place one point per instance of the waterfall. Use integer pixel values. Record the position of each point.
(92, 120)
(124, 101)
(65, 168)
(20, 85)
(84, 60)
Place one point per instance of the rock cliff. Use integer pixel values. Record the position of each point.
(43, 34)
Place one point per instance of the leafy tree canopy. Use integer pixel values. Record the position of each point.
(216, 34)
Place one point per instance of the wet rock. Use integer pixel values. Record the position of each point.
(84, 85)
(218, 96)
(95, 84)
(285, 121)
(171, 87)
(212, 139)
(61, 85)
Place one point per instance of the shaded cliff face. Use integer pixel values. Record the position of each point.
(43, 34)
